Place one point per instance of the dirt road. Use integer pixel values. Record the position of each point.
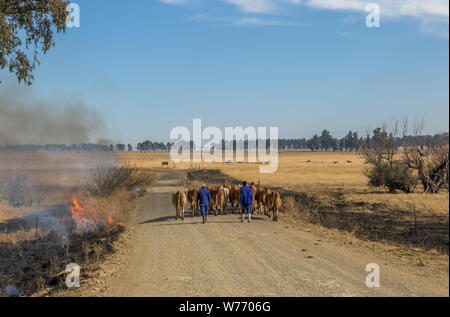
(228, 258)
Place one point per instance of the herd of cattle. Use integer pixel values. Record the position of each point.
(265, 200)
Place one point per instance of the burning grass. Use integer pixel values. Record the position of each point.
(73, 225)
(32, 263)
(35, 248)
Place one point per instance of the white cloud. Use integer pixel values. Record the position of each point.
(435, 26)
(246, 21)
(259, 21)
(256, 6)
(432, 14)
(174, 1)
(415, 8)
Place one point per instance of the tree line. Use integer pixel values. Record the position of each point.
(323, 142)
(84, 147)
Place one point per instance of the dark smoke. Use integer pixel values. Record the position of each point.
(27, 120)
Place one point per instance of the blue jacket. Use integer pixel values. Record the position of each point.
(204, 196)
(246, 196)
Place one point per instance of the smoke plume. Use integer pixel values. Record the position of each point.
(27, 120)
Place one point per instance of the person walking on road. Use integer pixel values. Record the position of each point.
(246, 200)
(203, 199)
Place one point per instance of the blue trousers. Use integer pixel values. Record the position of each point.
(247, 208)
(203, 209)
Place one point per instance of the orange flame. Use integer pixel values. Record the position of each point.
(89, 218)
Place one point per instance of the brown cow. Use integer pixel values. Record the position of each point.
(220, 200)
(235, 193)
(274, 204)
(260, 199)
(267, 201)
(254, 190)
(192, 199)
(226, 194)
(214, 191)
(179, 201)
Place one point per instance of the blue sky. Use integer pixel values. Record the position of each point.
(302, 65)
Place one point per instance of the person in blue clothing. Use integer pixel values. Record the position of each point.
(246, 200)
(203, 199)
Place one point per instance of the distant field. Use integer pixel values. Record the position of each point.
(293, 168)
(325, 171)
(342, 199)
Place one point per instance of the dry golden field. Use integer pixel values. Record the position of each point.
(293, 168)
(331, 189)
(319, 172)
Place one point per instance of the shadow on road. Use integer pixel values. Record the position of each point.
(161, 219)
(211, 219)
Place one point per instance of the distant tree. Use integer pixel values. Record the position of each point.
(129, 147)
(111, 147)
(120, 147)
(327, 141)
(351, 142)
(153, 146)
(314, 144)
(26, 28)
(381, 146)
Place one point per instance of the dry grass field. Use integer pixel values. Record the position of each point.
(331, 189)
(320, 172)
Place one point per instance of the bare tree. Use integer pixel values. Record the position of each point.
(381, 145)
(431, 161)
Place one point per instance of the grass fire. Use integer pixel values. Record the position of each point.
(72, 223)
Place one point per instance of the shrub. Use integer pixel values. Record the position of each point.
(20, 188)
(395, 176)
(104, 181)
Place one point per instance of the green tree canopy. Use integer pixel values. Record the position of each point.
(26, 29)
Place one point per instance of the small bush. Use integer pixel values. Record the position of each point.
(21, 189)
(394, 177)
(104, 181)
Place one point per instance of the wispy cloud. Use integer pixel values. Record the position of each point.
(435, 26)
(432, 14)
(256, 6)
(244, 21)
(268, 22)
(416, 8)
(175, 1)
